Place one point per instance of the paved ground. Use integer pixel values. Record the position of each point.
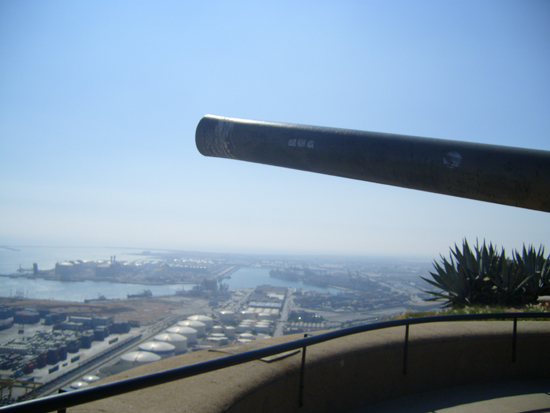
(505, 397)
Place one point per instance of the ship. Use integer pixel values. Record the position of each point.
(5, 324)
(143, 294)
(100, 297)
(288, 275)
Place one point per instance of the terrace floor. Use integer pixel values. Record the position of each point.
(505, 397)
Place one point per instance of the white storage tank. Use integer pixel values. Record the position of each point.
(217, 329)
(227, 316)
(90, 378)
(136, 358)
(248, 315)
(177, 340)
(262, 328)
(208, 321)
(250, 323)
(230, 332)
(265, 317)
(243, 328)
(197, 325)
(218, 341)
(78, 384)
(188, 332)
(246, 336)
(159, 348)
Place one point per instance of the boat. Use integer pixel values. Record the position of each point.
(100, 297)
(143, 294)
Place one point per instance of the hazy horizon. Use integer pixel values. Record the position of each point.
(159, 251)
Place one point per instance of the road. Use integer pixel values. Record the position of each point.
(285, 311)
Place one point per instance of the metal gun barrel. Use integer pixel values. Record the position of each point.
(498, 174)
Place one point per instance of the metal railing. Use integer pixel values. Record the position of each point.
(64, 400)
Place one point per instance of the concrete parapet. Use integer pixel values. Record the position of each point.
(347, 373)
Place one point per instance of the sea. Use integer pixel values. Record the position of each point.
(13, 259)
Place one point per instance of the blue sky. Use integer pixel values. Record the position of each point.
(99, 102)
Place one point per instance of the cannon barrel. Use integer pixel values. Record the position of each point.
(499, 174)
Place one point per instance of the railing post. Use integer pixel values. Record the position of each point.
(61, 410)
(514, 339)
(302, 374)
(406, 349)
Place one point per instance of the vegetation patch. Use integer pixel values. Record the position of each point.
(486, 277)
(476, 309)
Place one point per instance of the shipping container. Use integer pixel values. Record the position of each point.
(101, 321)
(87, 321)
(86, 341)
(26, 317)
(73, 346)
(52, 356)
(99, 335)
(54, 318)
(42, 360)
(63, 353)
(120, 327)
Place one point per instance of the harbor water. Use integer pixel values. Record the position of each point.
(14, 258)
(250, 277)
(78, 291)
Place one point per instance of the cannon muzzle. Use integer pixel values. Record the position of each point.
(499, 174)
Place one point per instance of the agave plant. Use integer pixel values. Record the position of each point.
(465, 279)
(509, 281)
(485, 277)
(536, 268)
